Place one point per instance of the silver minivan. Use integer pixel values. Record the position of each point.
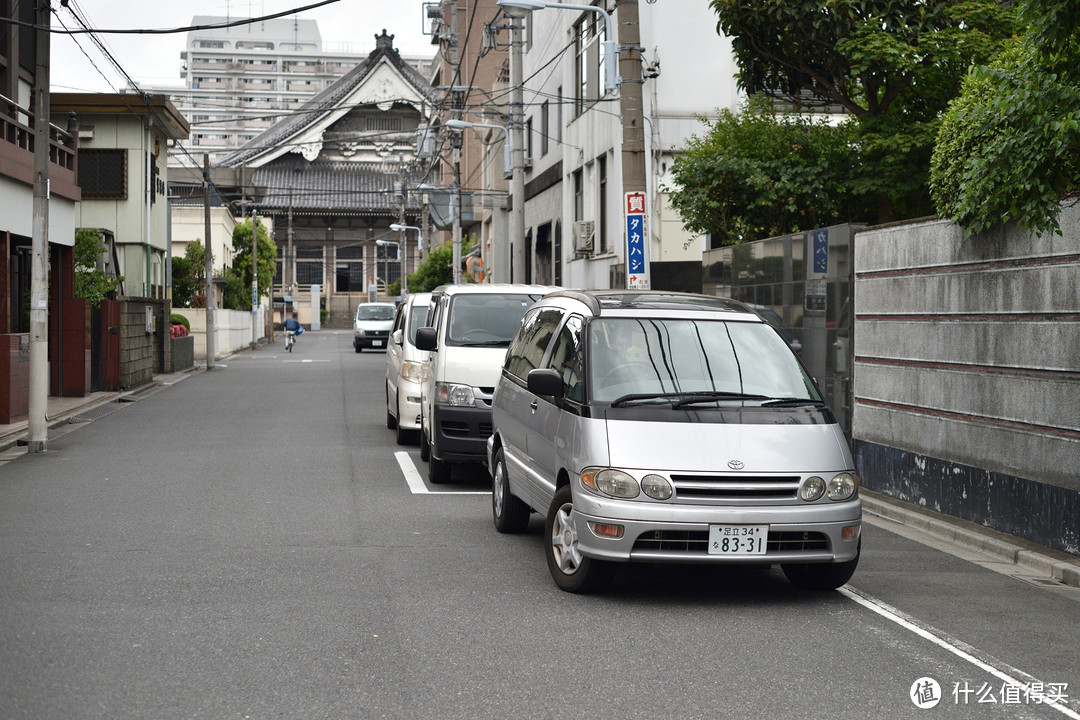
(665, 427)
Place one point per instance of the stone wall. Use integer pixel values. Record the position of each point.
(967, 374)
(141, 349)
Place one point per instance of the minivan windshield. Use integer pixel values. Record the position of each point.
(479, 319)
(417, 319)
(375, 312)
(692, 362)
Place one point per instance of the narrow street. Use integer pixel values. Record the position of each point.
(250, 542)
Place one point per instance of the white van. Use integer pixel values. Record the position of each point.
(406, 366)
(468, 330)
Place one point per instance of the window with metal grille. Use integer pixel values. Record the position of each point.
(103, 174)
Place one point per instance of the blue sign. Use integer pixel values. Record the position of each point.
(821, 251)
(635, 243)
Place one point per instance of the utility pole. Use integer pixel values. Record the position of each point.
(455, 140)
(633, 121)
(518, 258)
(208, 263)
(37, 427)
(254, 276)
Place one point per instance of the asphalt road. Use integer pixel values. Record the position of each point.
(246, 544)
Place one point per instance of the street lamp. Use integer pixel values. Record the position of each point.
(517, 193)
(397, 227)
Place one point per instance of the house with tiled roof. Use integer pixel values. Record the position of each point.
(332, 177)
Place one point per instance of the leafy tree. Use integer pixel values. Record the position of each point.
(91, 282)
(184, 287)
(893, 65)
(1009, 145)
(437, 269)
(759, 174)
(267, 260)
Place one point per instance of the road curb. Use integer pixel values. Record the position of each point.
(1035, 558)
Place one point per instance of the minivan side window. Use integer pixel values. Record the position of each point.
(567, 358)
(532, 340)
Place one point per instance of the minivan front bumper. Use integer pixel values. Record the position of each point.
(674, 533)
(460, 434)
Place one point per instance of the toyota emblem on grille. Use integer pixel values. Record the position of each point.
(736, 464)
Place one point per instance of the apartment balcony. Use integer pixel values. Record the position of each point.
(17, 143)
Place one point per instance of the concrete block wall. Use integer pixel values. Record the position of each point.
(141, 351)
(967, 373)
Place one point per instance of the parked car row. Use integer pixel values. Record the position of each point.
(642, 426)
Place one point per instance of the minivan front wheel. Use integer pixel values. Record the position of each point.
(572, 571)
(821, 576)
(510, 514)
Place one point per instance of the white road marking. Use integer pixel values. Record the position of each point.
(416, 483)
(1005, 673)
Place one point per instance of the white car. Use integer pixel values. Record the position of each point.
(406, 368)
(371, 327)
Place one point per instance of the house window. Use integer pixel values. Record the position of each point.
(545, 129)
(589, 33)
(579, 195)
(103, 174)
(601, 203)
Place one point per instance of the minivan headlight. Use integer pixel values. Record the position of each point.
(606, 481)
(450, 394)
(414, 371)
(812, 489)
(842, 486)
(657, 487)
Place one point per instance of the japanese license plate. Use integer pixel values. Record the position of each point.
(738, 539)
(376, 343)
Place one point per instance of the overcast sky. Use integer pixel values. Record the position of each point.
(154, 60)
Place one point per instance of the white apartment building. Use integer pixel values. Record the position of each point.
(238, 81)
(574, 201)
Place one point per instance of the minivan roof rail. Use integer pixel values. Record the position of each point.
(586, 298)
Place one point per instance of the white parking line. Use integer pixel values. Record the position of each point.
(1005, 673)
(416, 483)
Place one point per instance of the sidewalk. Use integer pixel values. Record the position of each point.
(61, 411)
(1030, 557)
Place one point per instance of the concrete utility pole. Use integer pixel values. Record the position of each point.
(518, 259)
(456, 98)
(37, 426)
(254, 277)
(208, 263)
(632, 111)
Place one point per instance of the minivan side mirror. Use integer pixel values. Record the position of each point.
(426, 339)
(397, 336)
(545, 381)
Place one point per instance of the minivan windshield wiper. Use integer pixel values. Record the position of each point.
(682, 399)
(636, 397)
(793, 402)
(701, 397)
(484, 343)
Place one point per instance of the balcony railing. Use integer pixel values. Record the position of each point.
(16, 128)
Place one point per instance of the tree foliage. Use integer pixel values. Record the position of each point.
(893, 65)
(437, 268)
(188, 276)
(241, 265)
(91, 282)
(1009, 145)
(759, 174)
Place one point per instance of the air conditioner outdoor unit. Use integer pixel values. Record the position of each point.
(584, 234)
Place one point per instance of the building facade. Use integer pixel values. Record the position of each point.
(239, 81)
